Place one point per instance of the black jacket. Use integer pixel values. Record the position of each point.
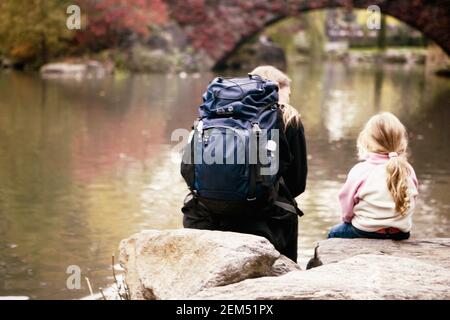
(295, 169)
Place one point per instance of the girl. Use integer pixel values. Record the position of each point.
(378, 198)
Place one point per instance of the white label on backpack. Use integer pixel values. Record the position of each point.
(200, 129)
(271, 145)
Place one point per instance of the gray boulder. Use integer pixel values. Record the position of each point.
(364, 276)
(435, 251)
(77, 70)
(177, 264)
(283, 265)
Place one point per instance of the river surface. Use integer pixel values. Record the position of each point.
(84, 164)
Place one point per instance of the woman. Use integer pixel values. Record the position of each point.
(279, 226)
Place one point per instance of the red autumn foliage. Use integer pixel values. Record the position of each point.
(188, 12)
(110, 22)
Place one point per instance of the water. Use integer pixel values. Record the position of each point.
(85, 164)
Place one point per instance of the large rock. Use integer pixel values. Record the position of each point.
(364, 276)
(282, 266)
(82, 69)
(200, 264)
(176, 264)
(434, 251)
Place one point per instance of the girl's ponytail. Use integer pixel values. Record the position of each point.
(397, 181)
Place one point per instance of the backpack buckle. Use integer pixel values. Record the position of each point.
(256, 127)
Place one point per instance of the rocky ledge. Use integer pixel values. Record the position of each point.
(201, 264)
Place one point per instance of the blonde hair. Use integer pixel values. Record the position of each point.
(273, 74)
(384, 133)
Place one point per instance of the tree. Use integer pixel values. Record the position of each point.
(33, 30)
(109, 23)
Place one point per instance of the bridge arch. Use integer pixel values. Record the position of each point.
(216, 28)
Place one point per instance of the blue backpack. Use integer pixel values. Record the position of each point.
(231, 161)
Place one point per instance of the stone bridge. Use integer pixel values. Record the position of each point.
(217, 27)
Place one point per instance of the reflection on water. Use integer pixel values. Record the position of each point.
(85, 164)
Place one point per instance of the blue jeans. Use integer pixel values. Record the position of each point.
(347, 230)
